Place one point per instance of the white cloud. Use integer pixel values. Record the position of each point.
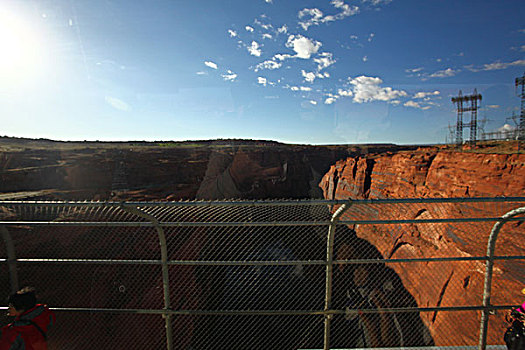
(315, 16)
(507, 128)
(330, 100)
(300, 88)
(254, 49)
(370, 37)
(313, 102)
(503, 65)
(414, 70)
(493, 106)
(325, 60)
(266, 36)
(202, 73)
(365, 58)
(263, 25)
(211, 64)
(283, 29)
(353, 37)
(345, 93)
(268, 1)
(412, 104)
(118, 104)
(377, 2)
(449, 72)
(232, 33)
(249, 29)
(368, 89)
(303, 46)
(308, 76)
(269, 64)
(230, 76)
(281, 57)
(262, 81)
(426, 94)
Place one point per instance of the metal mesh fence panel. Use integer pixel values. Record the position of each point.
(256, 275)
(85, 330)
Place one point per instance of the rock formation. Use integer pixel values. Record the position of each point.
(429, 173)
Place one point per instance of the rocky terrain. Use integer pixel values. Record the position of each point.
(427, 173)
(43, 169)
(139, 171)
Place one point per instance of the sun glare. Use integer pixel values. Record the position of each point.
(20, 51)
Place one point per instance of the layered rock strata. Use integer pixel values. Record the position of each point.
(430, 173)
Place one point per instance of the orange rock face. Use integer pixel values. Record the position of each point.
(427, 174)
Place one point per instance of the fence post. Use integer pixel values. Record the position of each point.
(488, 274)
(329, 270)
(165, 274)
(11, 259)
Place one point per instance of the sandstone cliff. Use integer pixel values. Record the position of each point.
(432, 173)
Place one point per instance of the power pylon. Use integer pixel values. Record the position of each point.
(473, 109)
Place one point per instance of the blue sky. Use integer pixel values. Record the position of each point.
(316, 72)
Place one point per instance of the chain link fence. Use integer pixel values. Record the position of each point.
(267, 274)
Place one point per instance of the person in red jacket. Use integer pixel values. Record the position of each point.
(29, 328)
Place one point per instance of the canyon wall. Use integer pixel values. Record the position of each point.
(428, 173)
(150, 171)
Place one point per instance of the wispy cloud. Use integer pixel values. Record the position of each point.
(254, 49)
(266, 36)
(229, 76)
(265, 26)
(414, 70)
(118, 104)
(232, 33)
(377, 2)
(283, 29)
(426, 94)
(211, 64)
(417, 105)
(300, 88)
(449, 72)
(202, 73)
(371, 37)
(314, 16)
(303, 46)
(503, 65)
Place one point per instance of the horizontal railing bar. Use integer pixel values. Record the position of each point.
(259, 262)
(266, 203)
(275, 312)
(247, 224)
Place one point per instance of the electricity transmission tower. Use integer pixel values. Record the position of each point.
(460, 100)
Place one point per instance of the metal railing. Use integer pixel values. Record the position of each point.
(269, 274)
